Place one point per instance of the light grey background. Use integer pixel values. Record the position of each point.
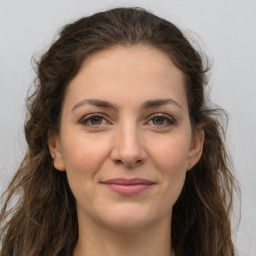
(227, 32)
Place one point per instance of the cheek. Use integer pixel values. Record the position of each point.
(171, 160)
(171, 153)
(83, 158)
(84, 154)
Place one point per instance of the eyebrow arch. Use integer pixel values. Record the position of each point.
(160, 102)
(95, 102)
(105, 104)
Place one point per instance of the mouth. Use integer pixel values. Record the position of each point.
(128, 187)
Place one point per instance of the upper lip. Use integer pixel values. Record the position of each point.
(122, 181)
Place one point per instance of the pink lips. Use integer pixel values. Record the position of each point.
(128, 186)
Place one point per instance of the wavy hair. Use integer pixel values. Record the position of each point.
(43, 220)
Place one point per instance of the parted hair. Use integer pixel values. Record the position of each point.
(42, 220)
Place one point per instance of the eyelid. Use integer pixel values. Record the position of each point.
(171, 121)
(86, 118)
(168, 118)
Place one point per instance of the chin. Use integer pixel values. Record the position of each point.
(128, 218)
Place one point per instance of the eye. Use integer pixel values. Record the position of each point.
(94, 120)
(158, 120)
(161, 120)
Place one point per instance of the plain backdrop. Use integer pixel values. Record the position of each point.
(226, 31)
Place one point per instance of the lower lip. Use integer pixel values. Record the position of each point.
(129, 190)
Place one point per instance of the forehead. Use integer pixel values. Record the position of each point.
(136, 72)
(138, 59)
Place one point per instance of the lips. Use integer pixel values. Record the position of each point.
(128, 186)
(134, 181)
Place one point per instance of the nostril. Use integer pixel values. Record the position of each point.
(128, 164)
(128, 152)
(118, 161)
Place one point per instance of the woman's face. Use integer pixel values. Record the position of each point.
(125, 116)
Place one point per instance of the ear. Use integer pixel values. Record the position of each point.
(196, 148)
(55, 151)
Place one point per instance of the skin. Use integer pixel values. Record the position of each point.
(126, 140)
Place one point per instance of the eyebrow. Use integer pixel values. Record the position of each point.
(94, 102)
(105, 104)
(160, 102)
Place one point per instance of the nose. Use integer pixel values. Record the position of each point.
(128, 148)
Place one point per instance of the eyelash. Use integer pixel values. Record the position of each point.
(86, 120)
(166, 118)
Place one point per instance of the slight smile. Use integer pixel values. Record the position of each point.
(128, 187)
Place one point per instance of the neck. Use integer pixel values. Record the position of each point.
(95, 240)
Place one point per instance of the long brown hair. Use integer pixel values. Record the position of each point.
(43, 220)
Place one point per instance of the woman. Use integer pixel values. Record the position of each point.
(124, 156)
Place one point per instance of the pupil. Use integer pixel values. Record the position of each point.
(158, 120)
(96, 120)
